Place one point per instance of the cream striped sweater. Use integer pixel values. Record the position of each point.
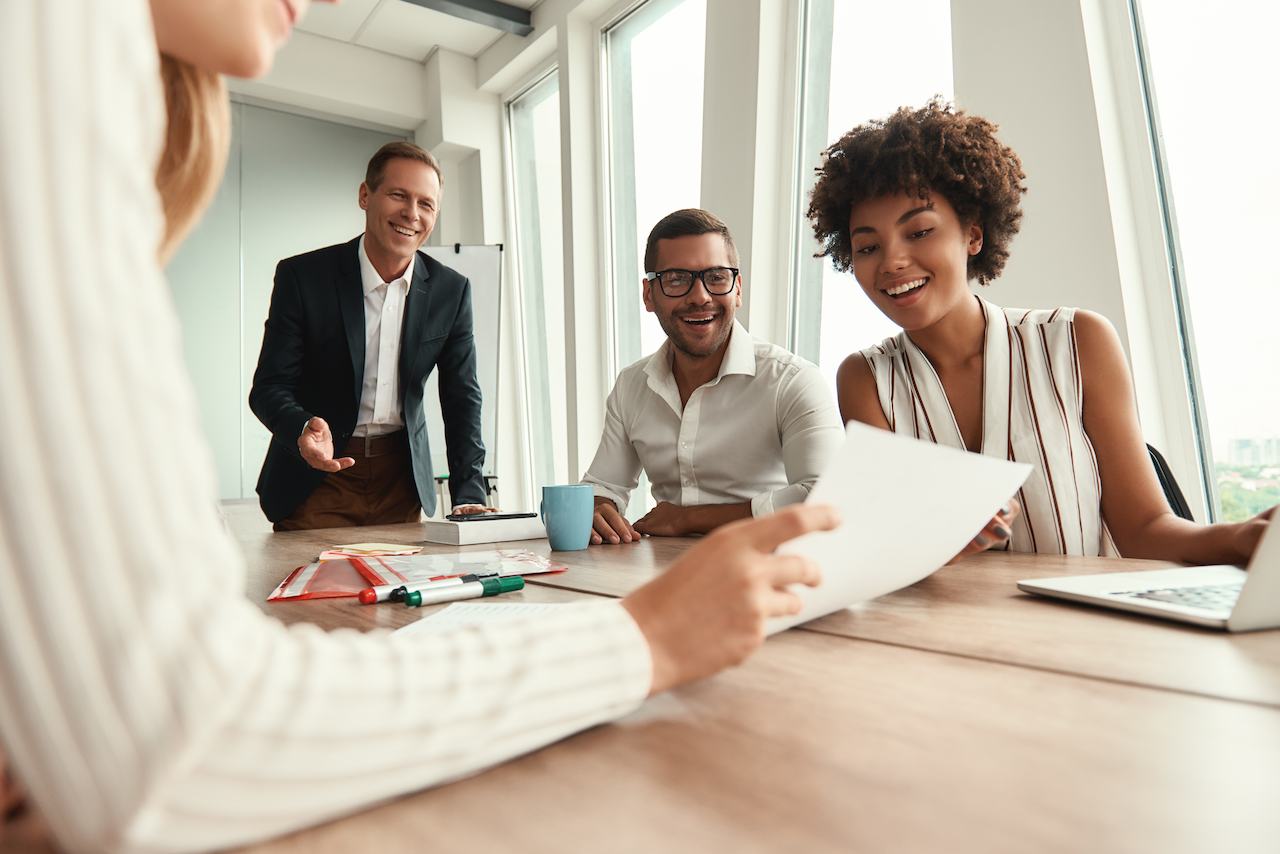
(146, 704)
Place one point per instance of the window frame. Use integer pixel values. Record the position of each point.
(617, 137)
(1182, 340)
(804, 315)
(540, 452)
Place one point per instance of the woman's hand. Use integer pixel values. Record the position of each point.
(994, 533)
(708, 610)
(1248, 533)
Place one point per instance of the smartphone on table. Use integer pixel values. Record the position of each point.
(480, 517)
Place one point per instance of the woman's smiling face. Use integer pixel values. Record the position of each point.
(911, 256)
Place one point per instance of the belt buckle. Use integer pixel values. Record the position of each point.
(368, 445)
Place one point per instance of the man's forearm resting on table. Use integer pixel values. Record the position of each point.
(673, 520)
(705, 518)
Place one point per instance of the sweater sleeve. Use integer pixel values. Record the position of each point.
(145, 703)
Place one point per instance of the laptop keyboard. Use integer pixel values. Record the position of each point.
(1214, 597)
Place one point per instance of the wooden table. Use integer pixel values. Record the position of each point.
(972, 609)
(957, 714)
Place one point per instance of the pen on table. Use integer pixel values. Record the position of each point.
(490, 585)
(383, 592)
(395, 592)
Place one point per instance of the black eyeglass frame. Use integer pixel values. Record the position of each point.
(694, 276)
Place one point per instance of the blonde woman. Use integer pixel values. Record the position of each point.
(148, 705)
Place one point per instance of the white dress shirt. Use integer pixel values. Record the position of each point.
(383, 319)
(761, 431)
(158, 709)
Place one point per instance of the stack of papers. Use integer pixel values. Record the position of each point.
(368, 550)
(482, 530)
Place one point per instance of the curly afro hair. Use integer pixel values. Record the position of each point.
(931, 150)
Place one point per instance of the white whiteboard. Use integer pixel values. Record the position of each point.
(483, 266)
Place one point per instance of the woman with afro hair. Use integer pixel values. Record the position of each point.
(916, 206)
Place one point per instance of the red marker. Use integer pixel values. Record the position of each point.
(383, 592)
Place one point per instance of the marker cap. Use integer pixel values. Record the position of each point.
(494, 585)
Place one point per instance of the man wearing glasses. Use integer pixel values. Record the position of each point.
(725, 426)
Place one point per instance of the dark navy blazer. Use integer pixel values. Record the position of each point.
(312, 363)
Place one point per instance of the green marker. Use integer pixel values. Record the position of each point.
(490, 586)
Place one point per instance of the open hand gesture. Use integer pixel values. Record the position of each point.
(316, 446)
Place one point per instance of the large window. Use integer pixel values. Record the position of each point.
(1210, 76)
(862, 60)
(654, 60)
(655, 69)
(535, 153)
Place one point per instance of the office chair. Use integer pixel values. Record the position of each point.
(1172, 492)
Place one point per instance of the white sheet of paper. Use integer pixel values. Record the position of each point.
(906, 508)
(471, 613)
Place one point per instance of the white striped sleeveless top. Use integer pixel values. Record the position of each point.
(1032, 413)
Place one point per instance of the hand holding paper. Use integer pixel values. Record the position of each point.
(907, 508)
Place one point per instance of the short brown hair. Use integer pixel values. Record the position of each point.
(688, 222)
(934, 149)
(393, 150)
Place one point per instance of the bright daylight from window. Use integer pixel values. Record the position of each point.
(866, 83)
(1213, 72)
(656, 65)
(535, 144)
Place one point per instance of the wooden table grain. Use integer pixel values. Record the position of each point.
(823, 744)
(972, 609)
(956, 715)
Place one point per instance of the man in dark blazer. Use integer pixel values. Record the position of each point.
(352, 334)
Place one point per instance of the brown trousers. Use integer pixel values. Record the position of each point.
(377, 490)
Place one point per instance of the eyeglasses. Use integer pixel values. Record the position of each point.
(676, 283)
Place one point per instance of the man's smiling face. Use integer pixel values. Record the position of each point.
(401, 211)
(697, 324)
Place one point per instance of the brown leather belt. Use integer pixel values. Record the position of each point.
(377, 446)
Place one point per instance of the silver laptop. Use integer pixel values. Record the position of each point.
(1223, 597)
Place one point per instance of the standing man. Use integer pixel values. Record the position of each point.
(351, 336)
(725, 426)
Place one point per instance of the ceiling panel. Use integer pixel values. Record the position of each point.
(401, 28)
(339, 21)
(412, 32)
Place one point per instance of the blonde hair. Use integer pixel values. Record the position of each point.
(195, 147)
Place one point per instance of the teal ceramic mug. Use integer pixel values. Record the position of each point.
(567, 511)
